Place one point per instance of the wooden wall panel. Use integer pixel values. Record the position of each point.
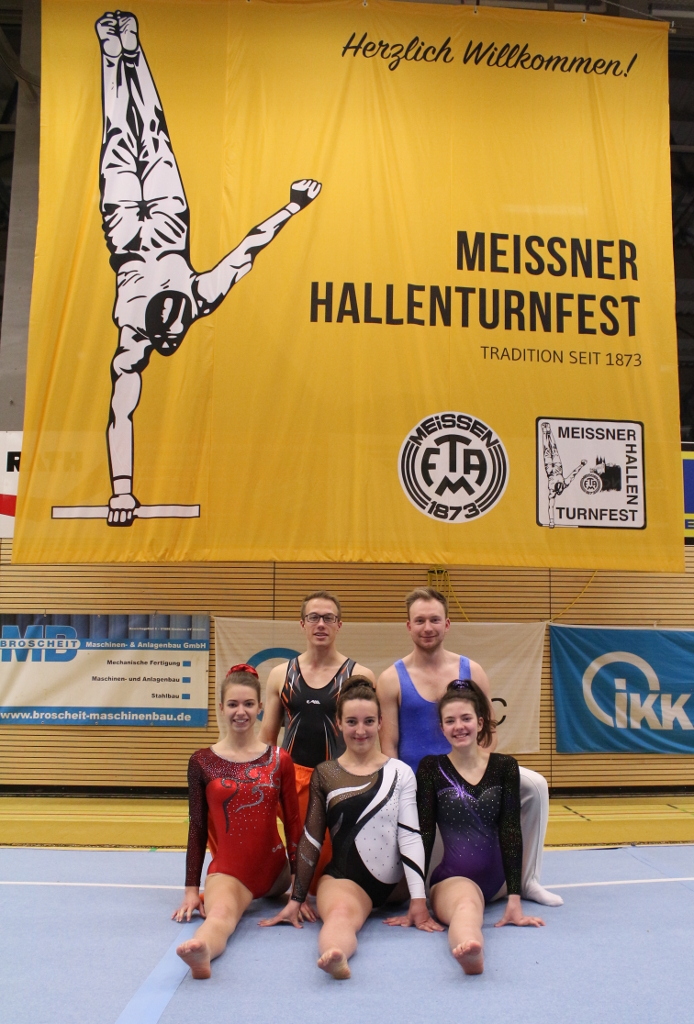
(231, 588)
(98, 756)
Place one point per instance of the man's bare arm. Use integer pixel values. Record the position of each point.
(215, 284)
(479, 676)
(361, 670)
(388, 690)
(272, 712)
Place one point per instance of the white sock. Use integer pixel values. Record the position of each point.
(538, 894)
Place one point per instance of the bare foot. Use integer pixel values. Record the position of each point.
(470, 956)
(334, 962)
(121, 509)
(107, 31)
(127, 26)
(195, 953)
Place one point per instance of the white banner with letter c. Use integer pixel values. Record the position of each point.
(509, 652)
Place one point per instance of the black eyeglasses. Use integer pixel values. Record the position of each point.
(313, 617)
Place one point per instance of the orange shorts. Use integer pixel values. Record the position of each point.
(303, 779)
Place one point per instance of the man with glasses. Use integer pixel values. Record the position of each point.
(409, 691)
(305, 690)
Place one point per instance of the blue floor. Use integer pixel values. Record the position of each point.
(97, 955)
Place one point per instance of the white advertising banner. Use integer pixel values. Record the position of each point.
(137, 675)
(509, 652)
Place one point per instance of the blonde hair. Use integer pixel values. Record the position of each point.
(425, 594)
(321, 595)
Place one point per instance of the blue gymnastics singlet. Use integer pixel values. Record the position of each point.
(418, 720)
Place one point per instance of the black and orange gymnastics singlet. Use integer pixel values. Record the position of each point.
(311, 735)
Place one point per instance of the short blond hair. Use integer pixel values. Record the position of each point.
(321, 595)
(425, 594)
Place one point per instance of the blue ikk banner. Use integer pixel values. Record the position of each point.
(623, 690)
(149, 670)
(688, 474)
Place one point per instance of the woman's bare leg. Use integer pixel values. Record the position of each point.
(343, 907)
(137, 164)
(459, 903)
(225, 901)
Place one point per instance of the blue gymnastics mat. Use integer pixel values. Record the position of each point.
(96, 946)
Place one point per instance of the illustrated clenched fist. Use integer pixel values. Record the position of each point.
(304, 192)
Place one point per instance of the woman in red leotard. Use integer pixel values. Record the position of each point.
(235, 789)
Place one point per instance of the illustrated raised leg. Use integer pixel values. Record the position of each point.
(143, 202)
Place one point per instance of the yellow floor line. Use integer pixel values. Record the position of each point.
(134, 823)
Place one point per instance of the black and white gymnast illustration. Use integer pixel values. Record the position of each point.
(146, 222)
(556, 481)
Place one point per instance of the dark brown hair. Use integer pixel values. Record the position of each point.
(466, 689)
(240, 675)
(425, 594)
(322, 595)
(357, 688)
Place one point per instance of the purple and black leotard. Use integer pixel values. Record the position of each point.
(479, 825)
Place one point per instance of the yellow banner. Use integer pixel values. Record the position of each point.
(383, 282)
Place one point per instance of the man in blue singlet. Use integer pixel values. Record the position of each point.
(409, 691)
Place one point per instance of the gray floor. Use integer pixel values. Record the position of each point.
(86, 954)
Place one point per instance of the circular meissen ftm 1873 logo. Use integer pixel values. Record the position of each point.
(453, 467)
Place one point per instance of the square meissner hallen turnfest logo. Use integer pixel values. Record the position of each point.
(590, 473)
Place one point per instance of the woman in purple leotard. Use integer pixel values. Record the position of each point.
(474, 798)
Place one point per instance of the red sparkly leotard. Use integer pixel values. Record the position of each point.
(233, 809)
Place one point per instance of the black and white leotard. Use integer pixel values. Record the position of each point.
(373, 826)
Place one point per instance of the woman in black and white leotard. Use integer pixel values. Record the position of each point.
(368, 802)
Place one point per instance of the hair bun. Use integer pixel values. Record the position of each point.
(357, 688)
(354, 681)
(460, 685)
(242, 668)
